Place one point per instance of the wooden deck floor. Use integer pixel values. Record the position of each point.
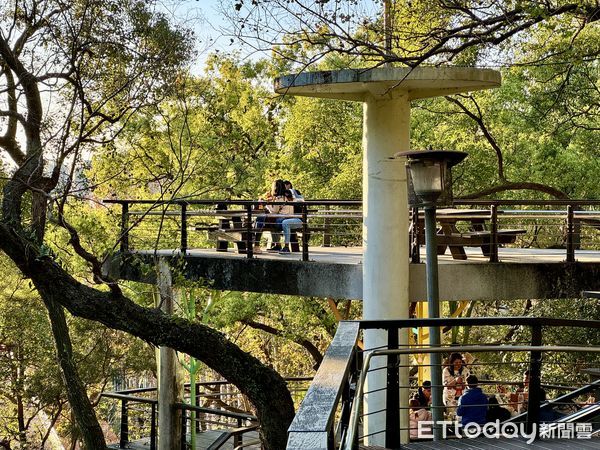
(203, 441)
(496, 444)
(354, 255)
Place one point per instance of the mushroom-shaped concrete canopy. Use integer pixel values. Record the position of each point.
(357, 84)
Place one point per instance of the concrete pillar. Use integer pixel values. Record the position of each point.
(170, 383)
(386, 94)
(385, 242)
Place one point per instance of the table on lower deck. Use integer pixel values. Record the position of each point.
(479, 234)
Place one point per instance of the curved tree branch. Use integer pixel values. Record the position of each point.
(515, 186)
(8, 141)
(478, 118)
(308, 346)
(263, 386)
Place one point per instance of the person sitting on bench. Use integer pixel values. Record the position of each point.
(290, 223)
(276, 195)
(284, 210)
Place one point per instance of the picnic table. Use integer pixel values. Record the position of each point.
(479, 232)
(234, 226)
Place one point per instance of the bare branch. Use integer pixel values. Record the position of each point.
(515, 186)
(308, 346)
(478, 118)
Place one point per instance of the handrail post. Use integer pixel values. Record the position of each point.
(415, 253)
(570, 235)
(237, 439)
(535, 370)
(392, 394)
(184, 231)
(347, 396)
(327, 232)
(153, 428)
(124, 238)
(304, 233)
(249, 233)
(124, 438)
(184, 428)
(494, 234)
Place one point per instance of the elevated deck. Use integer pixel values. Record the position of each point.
(337, 272)
(203, 441)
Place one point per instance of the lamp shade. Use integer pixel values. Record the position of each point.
(427, 178)
(429, 174)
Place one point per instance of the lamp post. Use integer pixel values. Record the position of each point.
(431, 180)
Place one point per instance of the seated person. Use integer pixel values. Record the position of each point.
(523, 393)
(290, 223)
(453, 376)
(473, 404)
(295, 192)
(276, 195)
(282, 212)
(496, 412)
(418, 414)
(424, 394)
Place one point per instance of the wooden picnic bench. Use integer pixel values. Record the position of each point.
(232, 227)
(449, 236)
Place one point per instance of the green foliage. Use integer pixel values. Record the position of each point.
(29, 372)
(321, 151)
(209, 140)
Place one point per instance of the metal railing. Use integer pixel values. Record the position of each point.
(128, 409)
(316, 215)
(338, 386)
(136, 417)
(198, 416)
(567, 224)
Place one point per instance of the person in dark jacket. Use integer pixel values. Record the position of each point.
(495, 411)
(473, 404)
(424, 394)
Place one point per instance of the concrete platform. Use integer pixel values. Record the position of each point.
(354, 255)
(337, 273)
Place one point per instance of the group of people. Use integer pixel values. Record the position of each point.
(463, 397)
(281, 218)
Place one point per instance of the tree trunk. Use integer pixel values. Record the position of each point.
(263, 386)
(85, 418)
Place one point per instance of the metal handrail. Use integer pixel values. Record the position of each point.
(129, 398)
(222, 440)
(354, 415)
(246, 211)
(216, 412)
(475, 321)
(573, 215)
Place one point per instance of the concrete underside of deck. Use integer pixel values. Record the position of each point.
(337, 273)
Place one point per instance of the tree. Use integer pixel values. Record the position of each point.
(414, 32)
(74, 73)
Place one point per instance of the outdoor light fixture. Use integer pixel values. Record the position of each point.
(430, 174)
(431, 180)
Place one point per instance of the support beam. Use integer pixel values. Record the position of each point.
(170, 383)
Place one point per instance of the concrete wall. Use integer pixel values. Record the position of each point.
(458, 281)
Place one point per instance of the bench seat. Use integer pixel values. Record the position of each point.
(483, 239)
(238, 236)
